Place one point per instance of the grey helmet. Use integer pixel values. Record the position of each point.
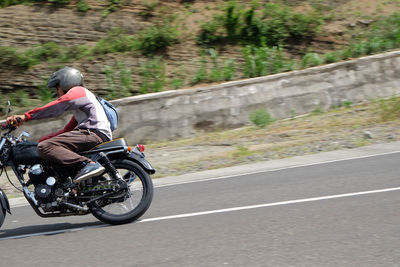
(67, 78)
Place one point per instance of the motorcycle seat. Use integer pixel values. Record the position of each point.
(119, 143)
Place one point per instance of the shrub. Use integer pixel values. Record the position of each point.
(119, 81)
(276, 22)
(45, 94)
(149, 8)
(263, 60)
(5, 3)
(12, 57)
(58, 2)
(387, 28)
(228, 71)
(216, 74)
(76, 52)
(20, 98)
(389, 109)
(115, 41)
(210, 32)
(156, 38)
(48, 51)
(201, 74)
(383, 35)
(152, 74)
(231, 20)
(311, 60)
(331, 57)
(261, 118)
(112, 5)
(82, 6)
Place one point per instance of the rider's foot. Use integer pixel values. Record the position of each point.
(91, 169)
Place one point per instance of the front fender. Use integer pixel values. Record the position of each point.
(141, 160)
(4, 204)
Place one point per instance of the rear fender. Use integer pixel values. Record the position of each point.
(134, 155)
(4, 204)
(141, 160)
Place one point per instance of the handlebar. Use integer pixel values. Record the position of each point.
(6, 126)
(10, 124)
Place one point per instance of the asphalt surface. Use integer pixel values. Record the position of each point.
(332, 209)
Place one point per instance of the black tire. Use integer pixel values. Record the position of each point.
(98, 210)
(2, 215)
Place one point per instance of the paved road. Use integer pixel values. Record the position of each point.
(311, 211)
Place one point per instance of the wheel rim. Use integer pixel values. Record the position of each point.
(130, 200)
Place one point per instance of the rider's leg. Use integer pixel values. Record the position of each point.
(63, 149)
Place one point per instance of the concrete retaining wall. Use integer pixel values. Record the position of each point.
(181, 113)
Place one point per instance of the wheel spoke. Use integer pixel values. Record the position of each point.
(126, 204)
(132, 198)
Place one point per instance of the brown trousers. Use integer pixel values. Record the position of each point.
(63, 148)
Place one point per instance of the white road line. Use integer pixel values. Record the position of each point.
(276, 169)
(281, 203)
(202, 213)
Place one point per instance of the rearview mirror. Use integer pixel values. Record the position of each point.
(8, 107)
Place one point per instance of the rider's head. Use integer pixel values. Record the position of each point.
(65, 79)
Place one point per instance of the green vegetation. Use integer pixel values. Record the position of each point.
(389, 109)
(149, 8)
(383, 35)
(6, 3)
(116, 41)
(260, 61)
(273, 24)
(119, 83)
(216, 70)
(112, 5)
(242, 151)
(50, 52)
(148, 42)
(153, 77)
(242, 39)
(156, 38)
(45, 95)
(311, 60)
(82, 6)
(261, 118)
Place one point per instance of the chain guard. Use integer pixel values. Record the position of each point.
(114, 192)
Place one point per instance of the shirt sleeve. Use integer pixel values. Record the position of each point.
(57, 107)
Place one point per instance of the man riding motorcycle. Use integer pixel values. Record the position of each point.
(87, 128)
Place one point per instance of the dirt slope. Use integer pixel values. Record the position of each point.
(22, 26)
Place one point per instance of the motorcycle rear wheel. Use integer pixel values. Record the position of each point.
(130, 206)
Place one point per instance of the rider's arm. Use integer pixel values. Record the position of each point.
(69, 127)
(69, 101)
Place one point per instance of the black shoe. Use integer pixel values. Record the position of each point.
(90, 170)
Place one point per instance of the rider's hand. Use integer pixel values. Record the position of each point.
(16, 120)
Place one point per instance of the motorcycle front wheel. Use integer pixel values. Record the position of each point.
(132, 203)
(2, 215)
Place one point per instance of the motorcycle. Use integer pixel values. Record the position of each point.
(120, 195)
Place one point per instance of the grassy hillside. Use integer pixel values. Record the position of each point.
(162, 45)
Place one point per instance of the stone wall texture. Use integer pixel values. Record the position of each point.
(182, 113)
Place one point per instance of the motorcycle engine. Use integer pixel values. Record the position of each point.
(36, 174)
(43, 182)
(42, 191)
